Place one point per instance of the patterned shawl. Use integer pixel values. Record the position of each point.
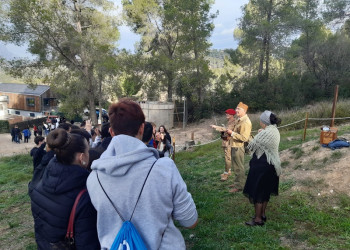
(267, 141)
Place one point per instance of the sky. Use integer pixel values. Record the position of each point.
(222, 36)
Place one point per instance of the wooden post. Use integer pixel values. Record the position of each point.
(192, 136)
(334, 104)
(177, 114)
(173, 149)
(305, 127)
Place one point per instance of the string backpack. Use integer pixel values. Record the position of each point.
(128, 237)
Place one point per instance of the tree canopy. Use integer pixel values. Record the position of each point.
(290, 52)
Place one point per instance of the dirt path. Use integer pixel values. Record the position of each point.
(8, 148)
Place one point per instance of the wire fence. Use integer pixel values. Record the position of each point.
(255, 131)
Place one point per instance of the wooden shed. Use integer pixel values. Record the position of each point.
(25, 101)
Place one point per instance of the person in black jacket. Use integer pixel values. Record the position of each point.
(52, 198)
(40, 169)
(39, 151)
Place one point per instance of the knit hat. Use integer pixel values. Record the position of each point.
(243, 106)
(230, 111)
(265, 117)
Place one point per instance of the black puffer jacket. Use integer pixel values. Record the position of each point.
(37, 154)
(52, 200)
(39, 171)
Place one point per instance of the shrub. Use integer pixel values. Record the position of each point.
(4, 126)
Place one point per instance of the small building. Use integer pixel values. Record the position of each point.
(27, 102)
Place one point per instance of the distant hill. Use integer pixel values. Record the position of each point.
(216, 58)
(5, 53)
(4, 78)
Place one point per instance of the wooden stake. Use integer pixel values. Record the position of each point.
(173, 149)
(192, 136)
(305, 126)
(334, 104)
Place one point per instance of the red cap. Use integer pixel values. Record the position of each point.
(230, 111)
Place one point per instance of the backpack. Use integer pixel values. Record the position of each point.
(128, 237)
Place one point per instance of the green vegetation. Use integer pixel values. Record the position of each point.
(16, 219)
(296, 220)
(4, 126)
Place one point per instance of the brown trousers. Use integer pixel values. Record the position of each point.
(228, 163)
(237, 156)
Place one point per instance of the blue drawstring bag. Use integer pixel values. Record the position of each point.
(128, 238)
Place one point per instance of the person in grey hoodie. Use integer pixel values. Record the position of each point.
(122, 170)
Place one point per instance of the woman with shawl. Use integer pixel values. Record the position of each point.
(265, 167)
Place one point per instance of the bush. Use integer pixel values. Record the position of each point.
(29, 123)
(4, 126)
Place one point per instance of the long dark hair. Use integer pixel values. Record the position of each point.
(165, 131)
(66, 145)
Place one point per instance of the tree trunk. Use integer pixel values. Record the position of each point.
(170, 86)
(261, 62)
(100, 79)
(267, 62)
(92, 93)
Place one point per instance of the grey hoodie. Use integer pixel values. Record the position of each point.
(122, 170)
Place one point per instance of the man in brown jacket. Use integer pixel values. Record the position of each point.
(231, 121)
(239, 135)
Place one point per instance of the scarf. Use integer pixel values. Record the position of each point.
(267, 141)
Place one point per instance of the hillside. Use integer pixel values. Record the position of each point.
(216, 58)
(317, 170)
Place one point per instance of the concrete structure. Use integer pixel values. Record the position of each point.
(161, 113)
(3, 107)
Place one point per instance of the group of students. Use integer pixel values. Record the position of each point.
(40, 130)
(17, 136)
(160, 140)
(113, 168)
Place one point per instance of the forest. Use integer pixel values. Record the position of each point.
(290, 52)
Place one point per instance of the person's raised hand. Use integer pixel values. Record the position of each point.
(88, 125)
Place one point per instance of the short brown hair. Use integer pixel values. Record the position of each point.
(125, 117)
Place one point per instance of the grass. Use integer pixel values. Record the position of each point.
(16, 223)
(296, 220)
(299, 220)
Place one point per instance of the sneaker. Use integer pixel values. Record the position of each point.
(224, 177)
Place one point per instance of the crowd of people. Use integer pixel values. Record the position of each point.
(42, 129)
(111, 162)
(125, 166)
